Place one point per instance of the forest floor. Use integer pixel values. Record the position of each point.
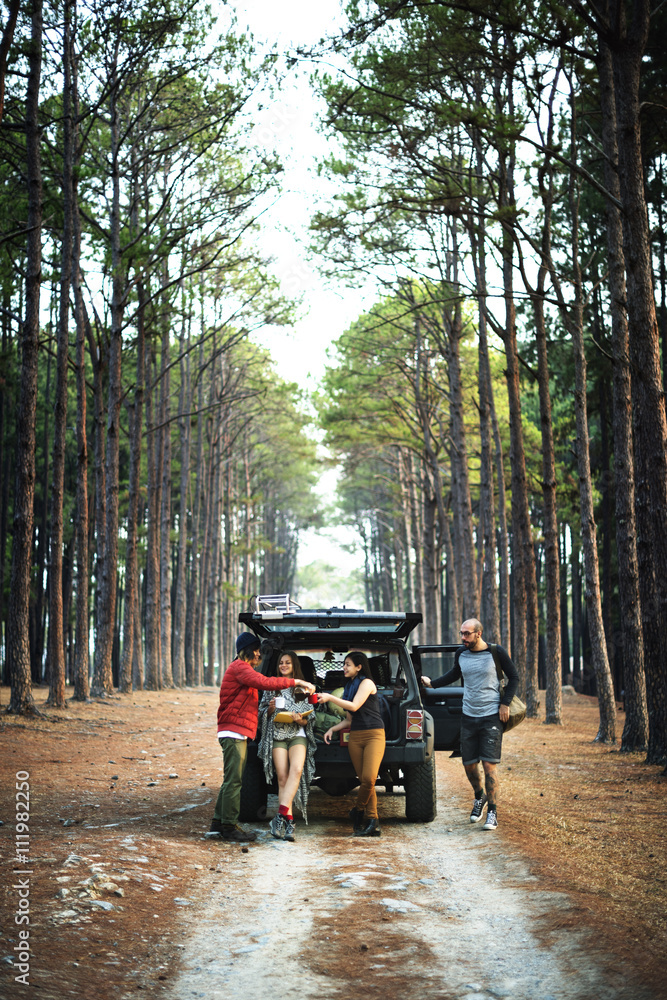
(122, 791)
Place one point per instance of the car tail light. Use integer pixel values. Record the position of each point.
(415, 724)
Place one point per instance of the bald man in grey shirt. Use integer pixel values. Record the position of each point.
(484, 713)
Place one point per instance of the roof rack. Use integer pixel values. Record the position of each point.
(275, 602)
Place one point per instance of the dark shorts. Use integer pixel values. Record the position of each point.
(481, 739)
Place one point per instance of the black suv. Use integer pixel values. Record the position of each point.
(422, 720)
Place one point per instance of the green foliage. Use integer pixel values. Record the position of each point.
(368, 407)
(321, 584)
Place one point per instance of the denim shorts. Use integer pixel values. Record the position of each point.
(481, 739)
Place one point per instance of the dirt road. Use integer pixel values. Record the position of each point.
(127, 898)
(442, 910)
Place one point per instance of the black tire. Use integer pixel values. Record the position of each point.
(420, 792)
(253, 792)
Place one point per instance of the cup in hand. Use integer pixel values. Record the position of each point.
(280, 703)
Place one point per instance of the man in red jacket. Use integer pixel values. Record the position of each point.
(237, 721)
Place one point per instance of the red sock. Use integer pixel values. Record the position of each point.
(284, 811)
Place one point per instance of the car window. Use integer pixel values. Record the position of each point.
(324, 667)
(437, 664)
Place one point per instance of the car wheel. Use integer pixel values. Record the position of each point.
(421, 792)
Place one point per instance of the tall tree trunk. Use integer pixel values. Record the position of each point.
(39, 599)
(564, 631)
(605, 691)
(107, 583)
(552, 651)
(192, 661)
(454, 331)
(402, 474)
(165, 501)
(604, 486)
(575, 562)
(432, 498)
(212, 580)
(417, 533)
(68, 580)
(490, 607)
(490, 604)
(662, 281)
(97, 535)
(526, 614)
(399, 581)
(461, 495)
(550, 526)
(137, 651)
(4, 472)
(450, 628)
(18, 650)
(431, 560)
(56, 637)
(131, 560)
(503, 536)
(207, 505)
(228, 604)
(553, 682)
(152, 606)
(635, 730)
(82, 656)
(246, 586)
(180, 591)
(444, 537)
(649, 418)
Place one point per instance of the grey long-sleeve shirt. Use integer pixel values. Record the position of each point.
(481, 686)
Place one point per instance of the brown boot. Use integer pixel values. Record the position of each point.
(236, 834)
(215, 833)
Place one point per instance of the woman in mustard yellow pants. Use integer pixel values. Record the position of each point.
(367, 739)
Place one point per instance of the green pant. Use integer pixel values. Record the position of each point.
(234, 753)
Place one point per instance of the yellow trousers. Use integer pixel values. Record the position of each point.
(366, 748)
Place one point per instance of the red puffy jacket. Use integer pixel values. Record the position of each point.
(239, 697)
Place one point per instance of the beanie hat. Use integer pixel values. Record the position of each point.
(246, 639)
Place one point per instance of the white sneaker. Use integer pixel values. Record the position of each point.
(478, 808)
(491, 821)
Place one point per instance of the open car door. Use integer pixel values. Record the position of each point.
(443, 704)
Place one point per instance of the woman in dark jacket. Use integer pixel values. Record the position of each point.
(367, 739)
